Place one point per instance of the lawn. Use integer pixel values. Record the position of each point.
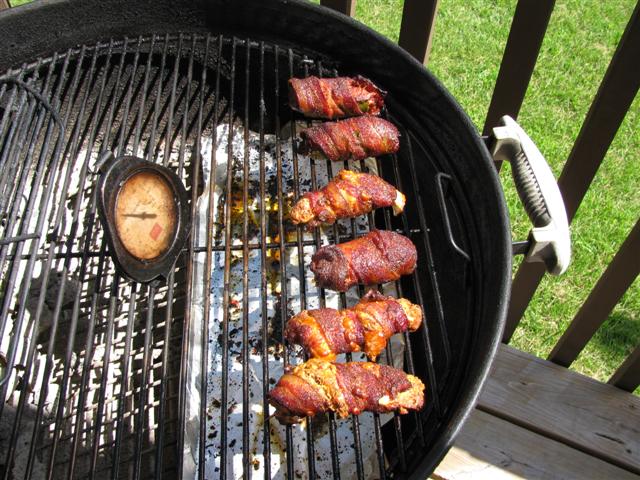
(581, 38)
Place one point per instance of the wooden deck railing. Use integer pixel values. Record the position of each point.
(608, 109)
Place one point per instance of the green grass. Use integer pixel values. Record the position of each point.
(582, 35)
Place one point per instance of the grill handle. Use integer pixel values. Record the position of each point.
(549, 240)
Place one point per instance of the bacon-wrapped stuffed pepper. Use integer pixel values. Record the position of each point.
(348, 195)
(335, 97)
(378, 257)
(353, 139)
(367, 326)
(318, 386)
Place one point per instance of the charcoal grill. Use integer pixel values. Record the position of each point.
(103, 377)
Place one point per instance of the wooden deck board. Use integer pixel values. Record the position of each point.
(596, 418)
(538, 420)
(492, 448)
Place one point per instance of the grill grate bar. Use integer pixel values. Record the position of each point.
(157, 111)
(172, 104)
(189, 275)
(245, 269)
(167, 321)
(132, 304)
(301, 270)
(218, 248)
(7, 114)
(145, 87)
(227, 274)
(103, 384)
(266, 437)
(208, 270)
(144, 383)
(283, 235)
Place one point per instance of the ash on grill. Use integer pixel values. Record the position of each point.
(301, 292)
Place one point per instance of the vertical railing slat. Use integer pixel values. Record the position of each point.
(527, 31)
(616, 279)
(4, 4)
(416, 30)
(348, 7)
(627, 377)
(611, 103)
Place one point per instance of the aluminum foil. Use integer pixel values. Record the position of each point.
(298, 281)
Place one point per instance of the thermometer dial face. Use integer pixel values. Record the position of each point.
(146, 213)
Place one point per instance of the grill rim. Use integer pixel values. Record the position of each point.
(92, 21)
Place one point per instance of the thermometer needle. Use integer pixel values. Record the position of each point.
(142, 216)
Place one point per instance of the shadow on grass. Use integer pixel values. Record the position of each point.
(618, 336)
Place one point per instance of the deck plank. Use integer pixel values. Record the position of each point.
(593, 417)
(492, 448)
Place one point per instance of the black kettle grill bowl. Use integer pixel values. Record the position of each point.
(455, 214)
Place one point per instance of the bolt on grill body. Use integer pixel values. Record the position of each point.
(97, 370)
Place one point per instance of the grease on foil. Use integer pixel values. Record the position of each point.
(298, 282)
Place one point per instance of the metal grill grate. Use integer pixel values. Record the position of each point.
(96, 369)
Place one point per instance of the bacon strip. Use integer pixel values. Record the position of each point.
(367, 326)
(378, 257)
(335, 97)
(348, 195)
(318, 386)
(353, 139)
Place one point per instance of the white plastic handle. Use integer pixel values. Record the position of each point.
(549, 238)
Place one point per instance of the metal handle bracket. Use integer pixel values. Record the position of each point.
(549, 238)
